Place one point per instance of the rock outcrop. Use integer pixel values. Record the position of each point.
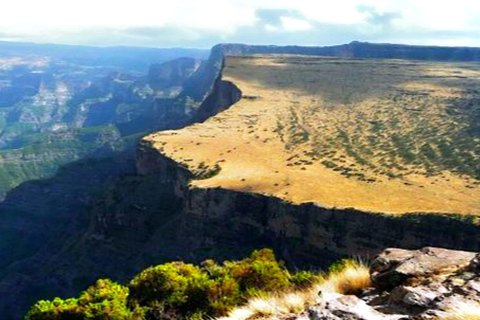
(430, 283)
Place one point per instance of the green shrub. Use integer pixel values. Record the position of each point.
(177, 290)
(211, 288)
(105, 300)
(222, 293)
(260, 272)
(303, 279)
(176, 284)
(57, 309)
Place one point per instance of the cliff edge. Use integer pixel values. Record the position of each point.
(375, 135)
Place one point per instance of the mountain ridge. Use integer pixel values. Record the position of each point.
(357, 49)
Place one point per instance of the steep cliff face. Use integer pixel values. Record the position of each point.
(224, 95)
(307, 233)
(172, 73)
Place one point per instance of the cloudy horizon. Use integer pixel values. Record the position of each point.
(189, 23)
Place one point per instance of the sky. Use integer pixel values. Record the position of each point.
(201, 24)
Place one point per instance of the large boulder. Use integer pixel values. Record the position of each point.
(394, 266)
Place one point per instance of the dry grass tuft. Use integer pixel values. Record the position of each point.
(274, 305)
(239, 314)
(265, 306)
(295, 302)
(464, 311)
(349, 279)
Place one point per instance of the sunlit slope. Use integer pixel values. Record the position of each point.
(379, 135)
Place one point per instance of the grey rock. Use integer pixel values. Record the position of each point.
(393, 266)
(416, 299)
(475, 264)
(319, 313)
(348, 308)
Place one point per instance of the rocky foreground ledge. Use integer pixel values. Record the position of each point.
(430, 283)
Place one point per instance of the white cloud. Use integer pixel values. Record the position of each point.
(60, 20)
(50, 14)
(434, 14)
(292, 24)
(271, 28)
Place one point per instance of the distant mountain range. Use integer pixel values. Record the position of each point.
(358, 49)
(62, 103)
(127, 58)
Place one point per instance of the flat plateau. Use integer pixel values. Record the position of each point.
(388, 136)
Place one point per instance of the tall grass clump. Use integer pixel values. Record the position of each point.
(347, 276)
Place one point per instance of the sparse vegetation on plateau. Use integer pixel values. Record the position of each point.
(205, 172)
(386, 136)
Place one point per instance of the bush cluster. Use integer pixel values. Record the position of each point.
(104, 300)
(178, 290)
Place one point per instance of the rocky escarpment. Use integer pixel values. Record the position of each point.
(213, 220)
(172, 73)
(224, 95)
(430, 283)
(305, 233)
